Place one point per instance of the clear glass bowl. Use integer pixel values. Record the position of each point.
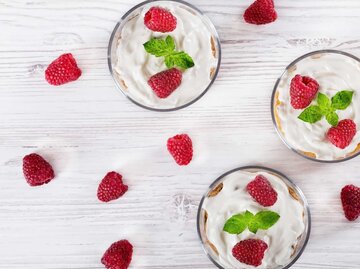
(303, 240)
(136, 10)
(274, 101)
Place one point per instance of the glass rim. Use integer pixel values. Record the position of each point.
(288, 182)
(214, 33)
(278, 131)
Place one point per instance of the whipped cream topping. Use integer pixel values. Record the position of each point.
(233, 199)
(135, 66)
(334, 72)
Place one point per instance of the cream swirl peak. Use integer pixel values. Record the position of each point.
(334, 72)
(134, 66)
(282, 238)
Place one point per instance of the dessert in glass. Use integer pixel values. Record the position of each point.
(316, 106)
(164, 55)
(253, 217)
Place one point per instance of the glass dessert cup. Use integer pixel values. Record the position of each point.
(216, 188)
(196, 92)
(277, 105)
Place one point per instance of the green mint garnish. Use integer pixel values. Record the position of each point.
(160, 47)
(238, 223)
(342, 100)
(262, 220)
(326, 107)
(311, 114)
(166, 48)
(179, 59)
(332, 118)
(323, 101)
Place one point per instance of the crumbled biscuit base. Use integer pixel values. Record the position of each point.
(216, 190)
(213, 46)
(293, 194)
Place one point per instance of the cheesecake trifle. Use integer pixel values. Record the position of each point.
(316, 106)
(164, 55)
(253, 217)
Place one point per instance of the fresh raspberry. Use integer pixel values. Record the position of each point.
(342, 134)
(165, 82)
(118, 255)
(37, 171)
(180, 147)
(302, 91)
(250, 251)
(159, 19)
(63, 70)
(261, 190)
(260, 12)
(111, 187)
(350, 198)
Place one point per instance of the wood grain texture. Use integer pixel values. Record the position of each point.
(87, 128)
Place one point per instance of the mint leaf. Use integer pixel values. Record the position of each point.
(332, 118)
(160, 47)
(324, 102)
(166, 48)
(342, 100)
(311, 114)
(170, 42)
(238, 223)
(253, 227)
(179, 59)
(263, 220)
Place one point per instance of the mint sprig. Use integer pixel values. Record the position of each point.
(166, 48)
(263, 221)
(240, 222)
(311, 114)
(342, 100)
(326, 107)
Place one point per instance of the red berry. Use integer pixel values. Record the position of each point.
(302, 91)
(250, 251)
(159, 19)
(180, 147)
(350, 198)
(342, 134)
(261, 190)
(62, 70)
(118, 255)
(165, 82)
(37, 171)
(111, 187)
(260, 12)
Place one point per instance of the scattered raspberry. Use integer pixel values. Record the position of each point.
(250, 251)
(159, 19)
(165, 82)
(118, 255)
(63, 70)
(37, 171)
(180, 147)
(342, 134)
(261, 190)
(260, 12)
(111, 187)
(350, 198)
(302, 91)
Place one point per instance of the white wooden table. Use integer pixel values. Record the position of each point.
(88, 128)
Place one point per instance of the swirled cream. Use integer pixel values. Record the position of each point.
(334, 72)
(282, 238)
(135, 66)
